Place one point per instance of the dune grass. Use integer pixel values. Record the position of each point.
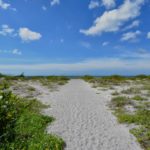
(139, 98)
(120, 101)
(106, 81)
(141, 118)
(131, 90)
(134, 97)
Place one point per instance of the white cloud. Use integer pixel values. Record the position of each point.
(148, 35)
(105, 43)
(55, 2)
(28, 35)
(132, 25)
(4, 5)
(109, 3)
(88, 65)
(112, 20)
(14, 52)
(130, 36)
(93, 4)
(44, 8)
(24, 33)
(140, 53)
(6, 30)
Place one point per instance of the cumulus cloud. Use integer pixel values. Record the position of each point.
(93, 4)
(14, 52)
(112, 20)
(4, 5)
(132, 25)
(55, 2)
(24, 33)
(6, 30)
(108, 3)
(28, 35)
(148, 35)
(130, 36)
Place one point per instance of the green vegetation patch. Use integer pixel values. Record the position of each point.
(141, 117)
(88, 78)
(115, 93)
(131, 90)
(31, 89)
(120, 101)
(22, 126)
(146, 87)
(106, 81)
(52, 81)
(143, 136)
(138, 98)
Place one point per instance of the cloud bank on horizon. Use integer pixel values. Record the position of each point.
(74, 37)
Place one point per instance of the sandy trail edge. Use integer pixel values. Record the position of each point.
(83, 119)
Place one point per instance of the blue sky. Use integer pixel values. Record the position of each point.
(74, 37)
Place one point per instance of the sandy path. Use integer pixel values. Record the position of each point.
(83, 119)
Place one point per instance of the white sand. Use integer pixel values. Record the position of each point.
(83, 119)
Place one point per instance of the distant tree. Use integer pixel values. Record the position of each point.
(1, 75)
(22, 75)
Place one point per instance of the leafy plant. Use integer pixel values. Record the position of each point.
(120, 101)
(22, 126)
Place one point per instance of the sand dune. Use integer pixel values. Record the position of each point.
(83, 119)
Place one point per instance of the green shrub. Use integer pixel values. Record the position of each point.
(87, 77)
(120, 101)
(125, 117)
(115, 93)
(141, 76)
(31, 89)
(143, 136)
(141, 118)
(8, 116)
(138, 98)
(4, 85)
(131, 90)
(115, 77)
(22, 126)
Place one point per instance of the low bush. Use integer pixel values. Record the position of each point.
(120, 101)
(131, 90)
(88, 77)
(138, 98)
(22, 126)
(141, 118)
